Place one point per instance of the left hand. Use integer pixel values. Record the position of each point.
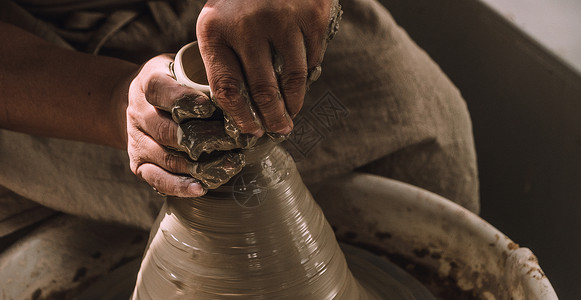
(152, 133)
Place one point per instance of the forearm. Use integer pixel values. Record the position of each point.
(49, 91)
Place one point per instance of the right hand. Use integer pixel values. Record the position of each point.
(274, 46)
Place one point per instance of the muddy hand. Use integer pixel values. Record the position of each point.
(199, 136)
(155, 102)
(260, 55)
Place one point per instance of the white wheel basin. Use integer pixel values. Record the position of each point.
(445, 245)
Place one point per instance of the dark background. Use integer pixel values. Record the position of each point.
(526, 109)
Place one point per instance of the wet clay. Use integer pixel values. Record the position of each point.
(187, 108)
(261, 235)
(202, 136)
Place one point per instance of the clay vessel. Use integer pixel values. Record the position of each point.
(259, 236)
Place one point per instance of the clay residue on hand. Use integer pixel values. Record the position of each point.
(200, 132)
(215, 172)
(205, 136)
(232, 129)
(336, 14)
(242, 140)
(187, 108)
(199, 136)
(334, 18)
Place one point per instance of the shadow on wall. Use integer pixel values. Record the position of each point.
(525, 104)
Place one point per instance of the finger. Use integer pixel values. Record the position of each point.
(263, 86)
(212, 172)
(243, 140)
(172, 161)
(318, 28)
(164, 92)
(317, 36)
(215, 172)
(198, 136)
(168, 183)
(158, 126)
(192, 107)
(293, 72)
(226, 81)
(315, 48)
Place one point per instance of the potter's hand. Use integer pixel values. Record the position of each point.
(156, 102)
(275, 46)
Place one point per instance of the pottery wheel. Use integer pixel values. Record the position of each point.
(378, 275)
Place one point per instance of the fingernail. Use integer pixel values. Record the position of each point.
(258, 132)
(196, 188)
